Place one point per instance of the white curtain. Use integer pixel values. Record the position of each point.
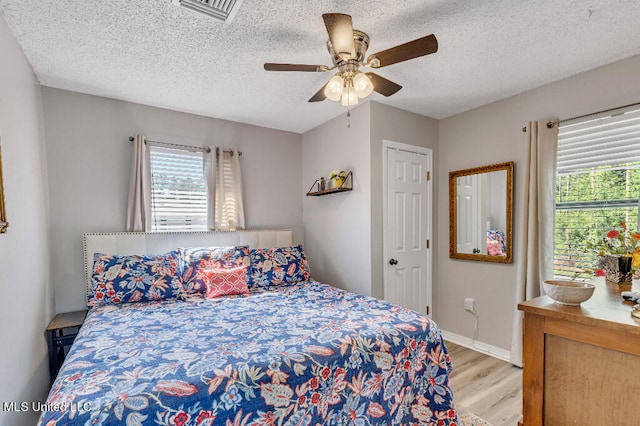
(224, 189)
(536, 223)
(139, 205)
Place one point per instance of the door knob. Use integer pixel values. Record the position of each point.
(393, 261)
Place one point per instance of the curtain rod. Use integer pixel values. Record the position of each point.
(177, 145)
(550, 124)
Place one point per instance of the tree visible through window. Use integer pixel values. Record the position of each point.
(597, 186)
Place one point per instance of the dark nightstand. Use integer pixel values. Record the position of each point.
(61, 332)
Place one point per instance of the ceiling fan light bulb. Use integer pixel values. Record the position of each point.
(349, 96)
(334, 88)
(362, 85)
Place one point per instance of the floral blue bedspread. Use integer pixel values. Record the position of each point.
(295, 354)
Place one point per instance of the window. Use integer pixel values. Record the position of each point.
(178, 190)
(597, 185)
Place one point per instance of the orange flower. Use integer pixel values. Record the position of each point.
(635, 236)
(623, 225)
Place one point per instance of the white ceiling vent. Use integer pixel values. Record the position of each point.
(223, 10)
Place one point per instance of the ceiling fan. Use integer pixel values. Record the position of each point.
(347, 48)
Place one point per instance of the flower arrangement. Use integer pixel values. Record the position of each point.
(619, 241)
(337, 178)
(337, 174)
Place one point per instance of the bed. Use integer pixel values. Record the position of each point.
(298, 352)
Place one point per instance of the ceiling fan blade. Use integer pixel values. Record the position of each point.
(410, 50)
(295, 67)
(340, 29)
(382, 85)
(319, 96)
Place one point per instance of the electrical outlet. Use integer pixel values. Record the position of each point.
(469, 305)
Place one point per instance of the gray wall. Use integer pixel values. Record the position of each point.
(88, 156)
(493, 134)
(338, 226)
(26, 304)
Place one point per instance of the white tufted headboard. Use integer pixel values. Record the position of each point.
(124, 243)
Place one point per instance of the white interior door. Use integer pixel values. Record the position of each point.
(468, 214)
(408, 227)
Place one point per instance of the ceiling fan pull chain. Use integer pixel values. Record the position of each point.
(348, 118)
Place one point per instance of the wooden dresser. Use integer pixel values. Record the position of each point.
(581, 363)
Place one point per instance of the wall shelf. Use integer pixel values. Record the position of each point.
(347, 185)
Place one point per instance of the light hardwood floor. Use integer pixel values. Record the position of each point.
(486, 386)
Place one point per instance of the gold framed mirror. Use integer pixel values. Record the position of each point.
(3, 214)
(481, 213)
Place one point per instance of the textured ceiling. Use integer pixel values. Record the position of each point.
(156, 53)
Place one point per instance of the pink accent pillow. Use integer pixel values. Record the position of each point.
(494, 249)
(225, 282)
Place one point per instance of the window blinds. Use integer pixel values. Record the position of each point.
(178, 190)
(608, 141)
(597, 185)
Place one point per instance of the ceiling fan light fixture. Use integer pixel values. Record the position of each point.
(349, 96)
(347, 48)
(334, 88)
(362, 85)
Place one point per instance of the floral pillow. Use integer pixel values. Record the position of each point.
(134, 278)
(226, 282)
(280, 265)
(196, 261)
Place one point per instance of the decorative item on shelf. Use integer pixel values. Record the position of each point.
(337, 178)
(618, 254)
(324, 186)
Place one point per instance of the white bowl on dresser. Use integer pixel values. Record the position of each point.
(567, 292)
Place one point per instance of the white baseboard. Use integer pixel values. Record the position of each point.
(484, 348)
